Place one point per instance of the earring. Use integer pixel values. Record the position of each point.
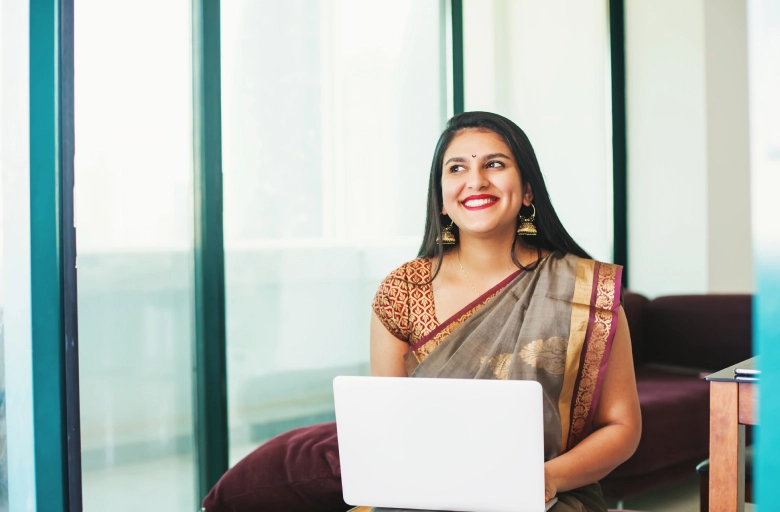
(527, 227)
(447, 236)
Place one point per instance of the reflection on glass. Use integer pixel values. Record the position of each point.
(134, 224)
(331, 111)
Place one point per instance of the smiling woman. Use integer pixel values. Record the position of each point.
(512, 296)
(503, 147)
(488, 183)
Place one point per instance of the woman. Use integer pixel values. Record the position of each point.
(501, 291)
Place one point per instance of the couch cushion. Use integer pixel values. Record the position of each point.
(295, 471)
(710, 332)
(675, 422)
(635, 305)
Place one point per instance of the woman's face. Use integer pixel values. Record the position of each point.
(481, 187)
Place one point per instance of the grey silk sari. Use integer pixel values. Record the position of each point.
(554, 325)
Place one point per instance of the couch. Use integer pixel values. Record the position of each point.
(676, 341)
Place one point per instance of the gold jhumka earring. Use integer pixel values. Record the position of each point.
(527, 227)
(447, 236)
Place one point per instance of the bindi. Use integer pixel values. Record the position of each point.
(473, 156)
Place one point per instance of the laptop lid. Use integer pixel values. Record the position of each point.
(441, 444)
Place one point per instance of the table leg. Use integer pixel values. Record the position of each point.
(727, 445)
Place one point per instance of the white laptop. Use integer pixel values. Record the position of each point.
(441, 444)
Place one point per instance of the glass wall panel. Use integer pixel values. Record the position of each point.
(134, 221)
(546, 66)
(331, 111)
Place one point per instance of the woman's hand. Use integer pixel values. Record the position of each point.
(550, 487)
(617, 423)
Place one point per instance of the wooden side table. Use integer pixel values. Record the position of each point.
(733, 404)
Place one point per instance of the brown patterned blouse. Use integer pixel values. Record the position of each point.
(404, 301)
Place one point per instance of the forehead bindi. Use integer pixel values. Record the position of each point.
(476, 143)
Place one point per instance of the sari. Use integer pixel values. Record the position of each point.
(554, 325)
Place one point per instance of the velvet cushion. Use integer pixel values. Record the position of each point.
(675, 422)
(295, 471)
(710, 332)
(635, 305)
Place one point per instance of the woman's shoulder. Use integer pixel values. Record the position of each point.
(597, 279)
(417, 271)
(399, 292)
(572, 261)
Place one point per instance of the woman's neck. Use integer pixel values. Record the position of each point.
(493, 256)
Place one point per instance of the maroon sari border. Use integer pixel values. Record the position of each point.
(586, 345)
(608, 347)
(466, 308)
(584, 351)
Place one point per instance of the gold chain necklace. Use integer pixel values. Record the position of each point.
(465, 274)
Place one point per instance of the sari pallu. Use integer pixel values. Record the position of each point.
(554, 325)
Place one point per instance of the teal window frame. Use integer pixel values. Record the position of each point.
(458, 79)
(617, 48)
(54, 335)
(210, 412)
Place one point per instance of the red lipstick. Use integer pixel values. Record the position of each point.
(479, 202)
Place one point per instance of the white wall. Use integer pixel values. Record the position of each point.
(545, 65)
(688, 160)
(730, 266)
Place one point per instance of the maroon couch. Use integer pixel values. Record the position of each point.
(675, 340)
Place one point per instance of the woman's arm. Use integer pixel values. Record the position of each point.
(387, 351)
(617, 424)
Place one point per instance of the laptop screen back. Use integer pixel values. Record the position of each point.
(441, 444)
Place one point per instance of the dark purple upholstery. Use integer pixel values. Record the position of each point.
(675, 430)
(698, 331)
(297, 471)
(634, 305)
(675, 420)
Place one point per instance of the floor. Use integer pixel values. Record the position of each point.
(165, 485)
(160, 485)
(679, 497)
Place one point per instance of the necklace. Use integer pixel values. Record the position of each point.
(465, 274)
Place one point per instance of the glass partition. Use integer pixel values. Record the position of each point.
(134, 219)
(331, 111)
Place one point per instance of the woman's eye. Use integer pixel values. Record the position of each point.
(456, 168)
(495, 164)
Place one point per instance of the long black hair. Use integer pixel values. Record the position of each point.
(551, 235)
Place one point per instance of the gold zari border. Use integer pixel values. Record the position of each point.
(596, 347)
(583, 287)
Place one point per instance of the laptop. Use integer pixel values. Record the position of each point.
(441, 444)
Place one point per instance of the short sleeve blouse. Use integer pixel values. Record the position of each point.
(404, 301)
